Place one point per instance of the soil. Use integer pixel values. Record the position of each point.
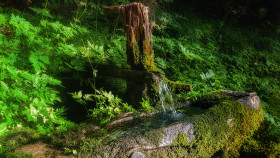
(40, 150)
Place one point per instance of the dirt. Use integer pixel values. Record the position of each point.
(40, 150)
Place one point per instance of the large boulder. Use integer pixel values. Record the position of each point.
(228, 120)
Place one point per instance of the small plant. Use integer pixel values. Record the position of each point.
(146, 105)
(107, 105)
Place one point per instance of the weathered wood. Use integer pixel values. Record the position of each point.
(138, 28)
(112, 9)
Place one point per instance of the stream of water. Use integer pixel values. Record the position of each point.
(169, 112)
(165, 117)
(165, 95)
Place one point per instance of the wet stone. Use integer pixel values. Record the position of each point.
(137, 155)
(173, 131)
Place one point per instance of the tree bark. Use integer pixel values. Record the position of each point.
(138, 28)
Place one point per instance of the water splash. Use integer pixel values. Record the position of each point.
(164, 94)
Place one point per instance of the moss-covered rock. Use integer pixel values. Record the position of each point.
(264, 143)
(177, 87)
(222, 129)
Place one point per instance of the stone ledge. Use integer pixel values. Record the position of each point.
(250, 100)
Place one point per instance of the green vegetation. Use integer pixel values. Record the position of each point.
(42, 43)
(30, 56)
(108, 106)
(146, 105)
(224, 126)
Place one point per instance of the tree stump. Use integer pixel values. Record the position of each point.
(138, 28)
(143, 80)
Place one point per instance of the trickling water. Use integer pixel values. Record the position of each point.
(164, 94)
(158, 120)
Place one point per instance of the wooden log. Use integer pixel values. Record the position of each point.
(111, 9)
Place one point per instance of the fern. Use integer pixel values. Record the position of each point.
(3, 19)
(107, 107)
(207, 75)
(43, 12)
(23, 27)
(26, 87)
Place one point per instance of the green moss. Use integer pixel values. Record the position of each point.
(214, 133)
(177, 87)
(182, 140)
(148, 62)
(154, 137)
(87, 147)
(211, 99)
(178, 90)
(143, 60)
(148, 57)
(191, 111)
(154, 94)
(264, 142)
(136, 55)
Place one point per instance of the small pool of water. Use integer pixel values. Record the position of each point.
(157, 121)
(142, 125)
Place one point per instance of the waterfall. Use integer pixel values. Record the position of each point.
(164, 94)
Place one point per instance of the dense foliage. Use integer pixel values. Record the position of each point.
(214, 54)
(35, 48)
(41, 43)
(27, 84)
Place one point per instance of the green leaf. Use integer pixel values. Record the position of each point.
(44, 22)
(43, 12)
(3, 127)
(104, 121)
(3, 19)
